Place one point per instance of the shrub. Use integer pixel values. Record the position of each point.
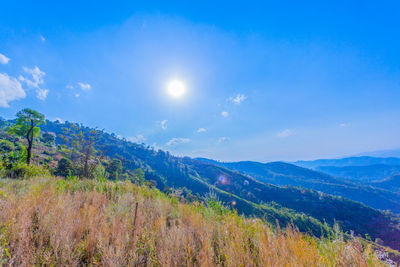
(64, 167)
(22, 170)
(6, 146)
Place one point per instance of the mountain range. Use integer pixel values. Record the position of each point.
(277, 192)
(286, 193)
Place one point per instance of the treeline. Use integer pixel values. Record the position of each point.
(27, 152)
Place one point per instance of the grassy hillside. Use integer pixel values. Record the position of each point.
(49, 221)
(194, 179)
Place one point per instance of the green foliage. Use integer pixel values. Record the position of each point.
(138, 176)
(64, 167)
(28, 121)
(26, 126)
(114, 168)
(82, 142)
(100, 173)
(4, 253)
(6, 146)
(48, 138)
(215, 204)
(23, 170)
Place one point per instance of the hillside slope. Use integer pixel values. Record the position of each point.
(247, 195)
(280, 173)
(391, 183)
(51, 222)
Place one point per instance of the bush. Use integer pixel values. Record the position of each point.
(64, 167)
(6, 146)
(22, 170)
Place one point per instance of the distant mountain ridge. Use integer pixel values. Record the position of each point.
(283, 174)
(361, 173)
(349, 161)
(382, 153)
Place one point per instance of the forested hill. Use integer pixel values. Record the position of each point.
(116, 158)
(307, 208)
(281, 173)
(391, 183)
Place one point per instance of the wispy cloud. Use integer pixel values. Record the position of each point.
(10, 90)
(163, 124)
(177, 141)
(4, 59)
(137, 139)
(42, 38)
(223, 139)
(42, 94)
(285, 133)
(344, 124)
(239, 98)
(84, 86)
(201, 130)
(224, 114)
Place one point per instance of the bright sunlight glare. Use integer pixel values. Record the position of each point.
(176, 88)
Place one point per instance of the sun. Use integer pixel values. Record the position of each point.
(176, 88)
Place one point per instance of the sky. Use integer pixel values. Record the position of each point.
(282, 80)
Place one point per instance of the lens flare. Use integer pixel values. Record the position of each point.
(223, 180)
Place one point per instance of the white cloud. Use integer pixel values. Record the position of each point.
(285, 133)
(4, 59)
(10, 89)
(223, 139)
(177, 141)
(59, 120)
(239, 98)
(42, 93)
(224, 114)
(69, 86)
(201, 130)
(37, 77)
(35, 81)
(77, 95)
(344, 124)
(164, 124)
(137, 139)
(42, 38)
(85, 86)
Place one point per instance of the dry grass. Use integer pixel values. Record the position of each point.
(46, 221)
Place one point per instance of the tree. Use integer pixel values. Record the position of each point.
(64, 167)
(48, 138)
(26, 126)
(114, 168)
(82, 141)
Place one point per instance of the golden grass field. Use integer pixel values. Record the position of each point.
(53, 222)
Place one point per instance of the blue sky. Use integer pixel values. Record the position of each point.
(264, 81)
